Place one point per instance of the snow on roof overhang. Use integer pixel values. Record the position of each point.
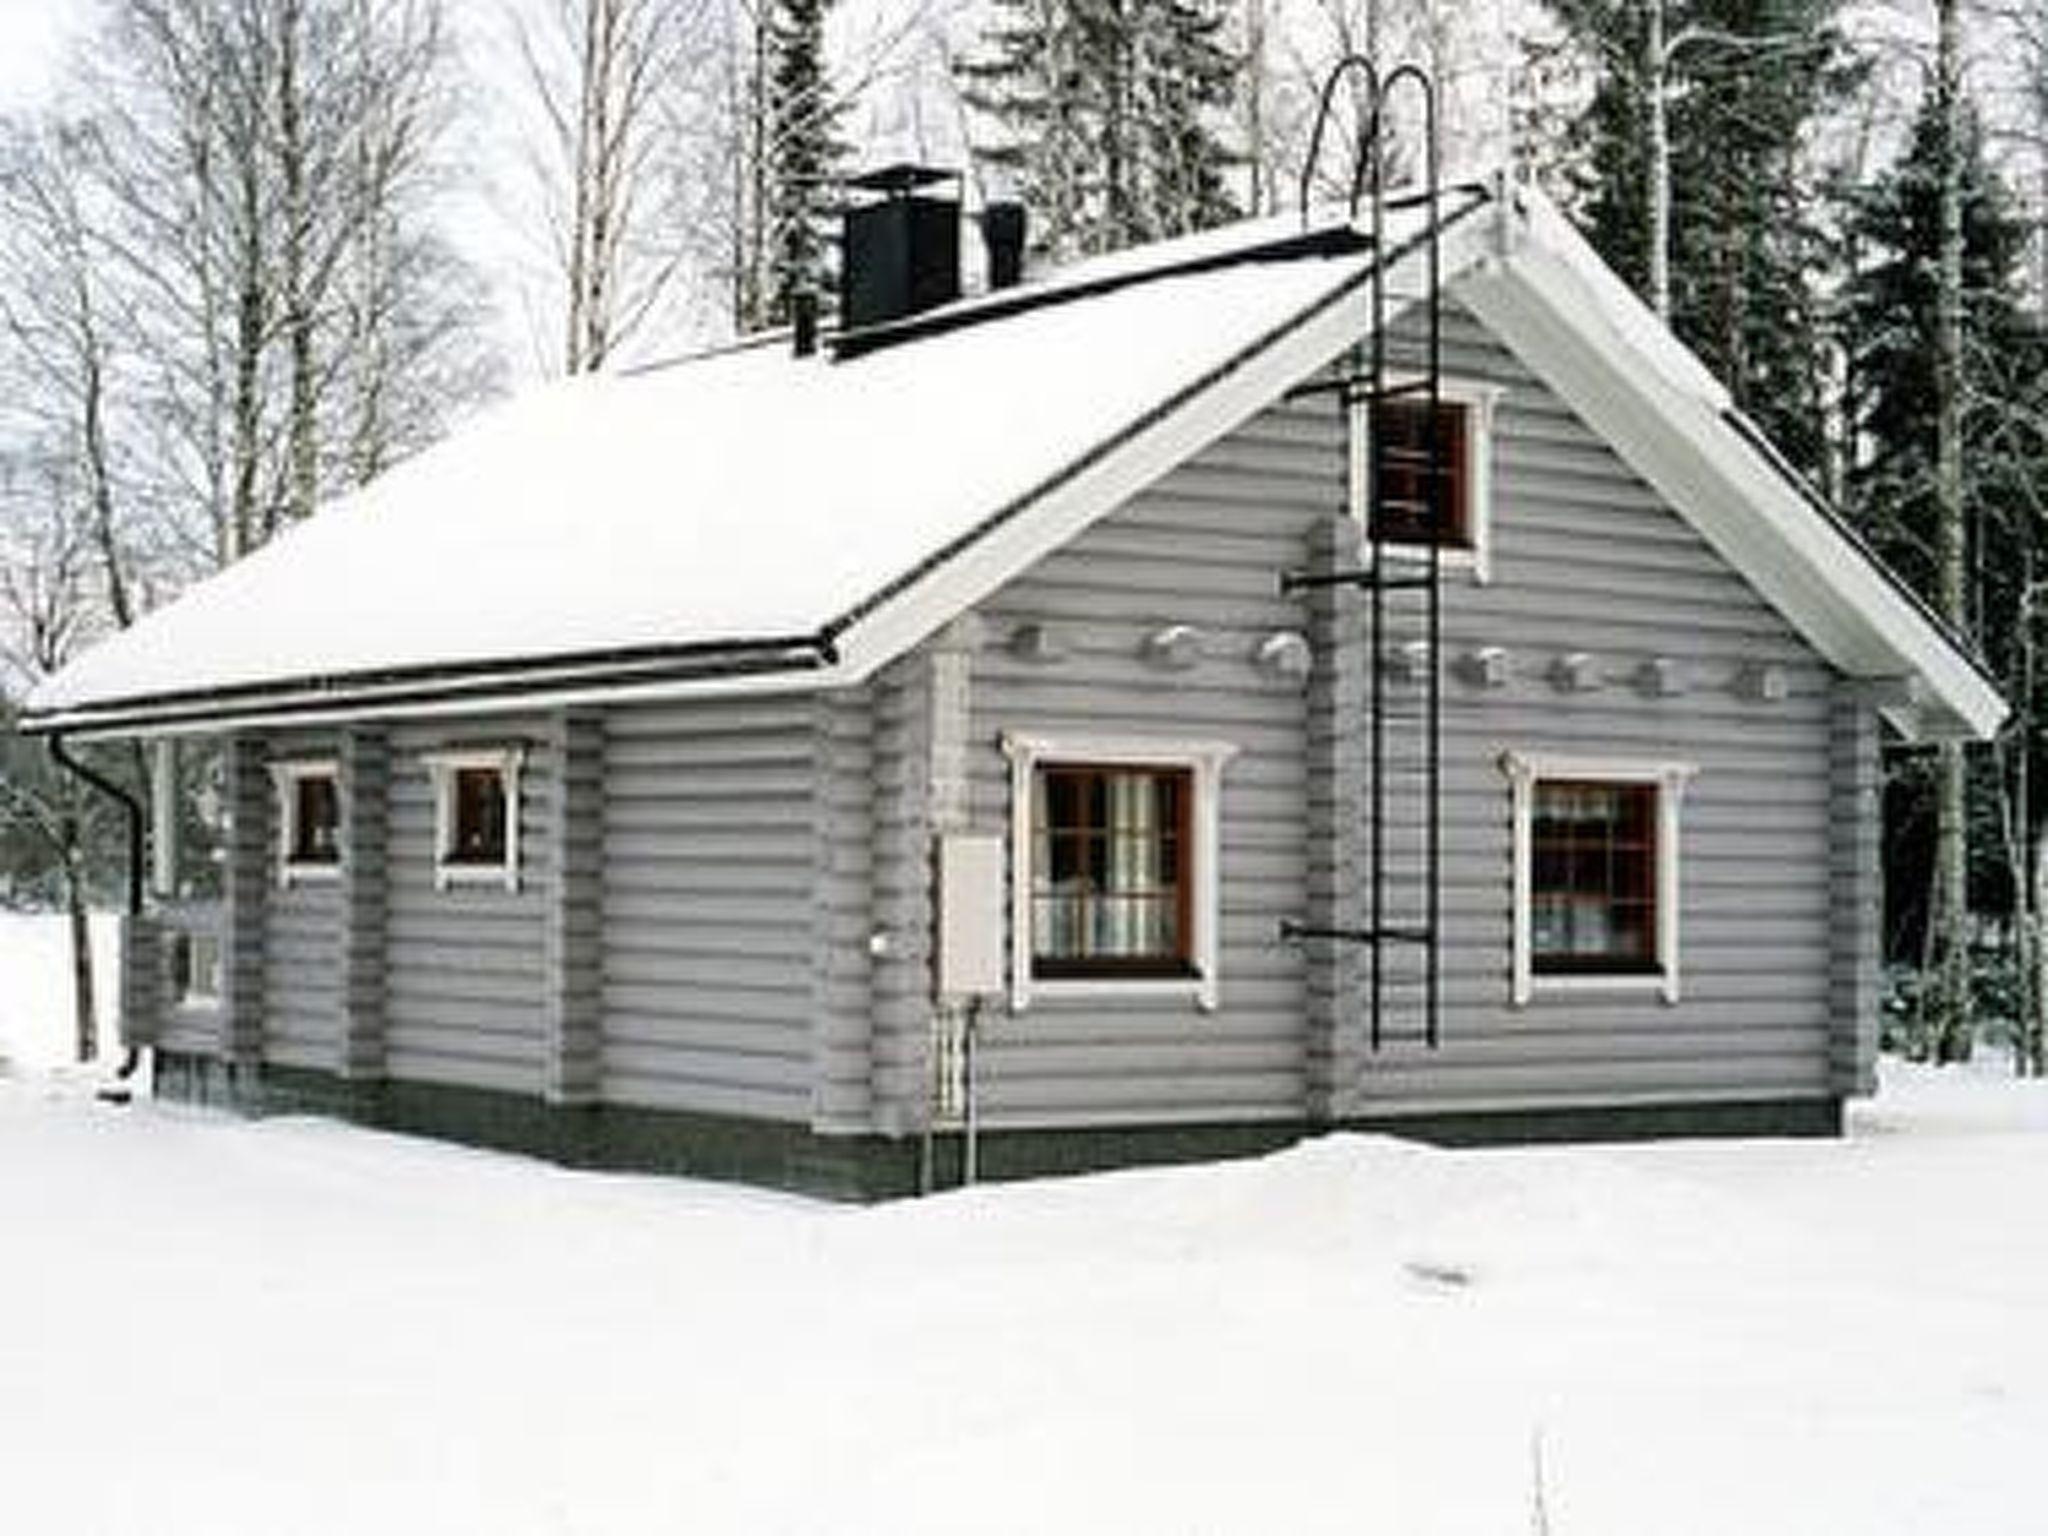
(1586, 334)
(736, 569)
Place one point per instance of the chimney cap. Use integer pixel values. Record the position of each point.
(900, 179)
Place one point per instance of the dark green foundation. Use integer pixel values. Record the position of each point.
(863, 1168)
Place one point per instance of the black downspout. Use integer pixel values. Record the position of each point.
(133, 809)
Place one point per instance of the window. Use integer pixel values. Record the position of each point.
(1109, 873)
(1113, 866)
(1448, 504)
(477, 829)
(1595, 873)
(476, 817)
(1593, 888)
(195, 968)
(1423, 494)
(308, 820)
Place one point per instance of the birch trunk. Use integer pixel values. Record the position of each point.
(2034, 1036)
(1658, 236)
(1950, 906)
(303, 440)
(84, 1014)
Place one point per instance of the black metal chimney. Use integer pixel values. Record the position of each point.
(901, 248)
(1002, 231)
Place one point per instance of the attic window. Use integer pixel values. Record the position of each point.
(476, 816)
(1424, 488)
(1424, 499)
(308, 820)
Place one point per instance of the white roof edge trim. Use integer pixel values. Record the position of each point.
(1584, 332)
(1039, 526)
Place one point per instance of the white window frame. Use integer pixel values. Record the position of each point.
(285, 778)
(508, 762)
(1204, 762)
(194, 997)
(1479, 397)
(1669, 779)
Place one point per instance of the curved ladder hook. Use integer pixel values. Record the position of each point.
(1367, 135)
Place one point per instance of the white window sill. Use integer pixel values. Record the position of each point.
(308, 874)
(446, 875)
(1461, 561)
(1662, 983)
(196, 1007)
(1195, 989)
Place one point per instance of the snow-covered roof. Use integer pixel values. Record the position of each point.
(753, 519)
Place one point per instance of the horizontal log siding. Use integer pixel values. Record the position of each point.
(465, 966)
(1203, 546)
(711, 862)
(302, 992)
(1584, 559)
(843, 914)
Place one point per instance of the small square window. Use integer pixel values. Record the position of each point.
(477, 831)
(476, 816)
(316, 824)
(309, 825)
(195, 968)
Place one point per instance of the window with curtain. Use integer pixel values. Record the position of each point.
(1110, 886)
(1593, 877)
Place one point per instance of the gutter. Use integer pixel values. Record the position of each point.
(496, 679)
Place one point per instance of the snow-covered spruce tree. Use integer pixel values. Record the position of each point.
(1184, 81)
(804, 153)
(1107, 117)
(1893, 319)
(1688, 169)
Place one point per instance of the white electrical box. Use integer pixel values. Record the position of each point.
(971, 899)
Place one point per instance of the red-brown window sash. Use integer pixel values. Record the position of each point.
(1607, 866)
(1072, 833)
(479, 814)
(316, 819)
(1406, 513)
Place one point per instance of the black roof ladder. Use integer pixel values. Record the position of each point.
(1401, 583)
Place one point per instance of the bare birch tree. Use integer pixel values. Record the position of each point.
(608, 78)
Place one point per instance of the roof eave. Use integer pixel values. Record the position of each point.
(752, 665)
(1568, 318)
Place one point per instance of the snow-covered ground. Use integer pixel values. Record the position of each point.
(36, 1029)
(296, 1326)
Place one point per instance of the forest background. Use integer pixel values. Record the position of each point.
(252, 252)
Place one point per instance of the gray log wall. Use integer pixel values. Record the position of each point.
(1586, 563)
(725, 905)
